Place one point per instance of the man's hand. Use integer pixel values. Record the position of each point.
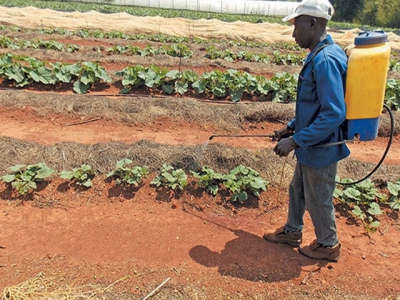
(282, 132)
(284, 147)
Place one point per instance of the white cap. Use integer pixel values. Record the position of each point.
(315, 8)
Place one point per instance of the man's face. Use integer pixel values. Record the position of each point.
(303, 30)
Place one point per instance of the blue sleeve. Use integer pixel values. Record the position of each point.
(291, 124)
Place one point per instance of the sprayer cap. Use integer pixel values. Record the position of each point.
(371, 38)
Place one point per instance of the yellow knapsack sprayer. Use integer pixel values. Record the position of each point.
(368, 66)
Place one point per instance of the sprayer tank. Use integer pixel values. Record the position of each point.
(368, 65)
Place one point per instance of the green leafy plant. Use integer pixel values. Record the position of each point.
(39, 72)
(363, 200)
(243, 180)
(23, 178)
(284, 87)
(124, 174)
(216, 83)
(394, 197)
(394, 65)
(392, 94)
(80, 176)
(130, 78)
(170, 177)
(367, 217)
(209, 179)
(177, 50)
(65, 72)
(24, 70)
(236, 84)
(154, 77)
(287, 58)
(89, 73)
(133, 50)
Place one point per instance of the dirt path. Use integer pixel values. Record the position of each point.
(87, 238)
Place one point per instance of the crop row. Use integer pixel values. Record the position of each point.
(15, 43)
(363, 199)
(24, 70)
(212, 52)
(240, 181)
(175, 50)
(161, 38)
(277, 57)
(221, 84)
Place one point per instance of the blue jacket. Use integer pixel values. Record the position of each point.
(320, 107)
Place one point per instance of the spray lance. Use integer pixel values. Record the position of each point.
(274, 136)
(368, 63)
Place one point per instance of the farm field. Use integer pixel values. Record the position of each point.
(114, 242)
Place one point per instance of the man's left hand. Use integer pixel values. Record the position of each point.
(284, 147)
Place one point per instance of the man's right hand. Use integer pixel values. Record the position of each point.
(283, 132)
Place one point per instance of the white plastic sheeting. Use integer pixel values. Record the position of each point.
(269, 8)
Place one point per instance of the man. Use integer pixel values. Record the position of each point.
(320, 110)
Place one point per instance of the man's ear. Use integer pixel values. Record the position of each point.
(313, 22)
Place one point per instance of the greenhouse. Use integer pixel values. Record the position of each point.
(270, 8)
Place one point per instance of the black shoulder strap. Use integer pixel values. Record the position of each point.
(319, 48)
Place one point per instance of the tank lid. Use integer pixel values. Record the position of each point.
(371, 38)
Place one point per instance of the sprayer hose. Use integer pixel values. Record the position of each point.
(384, 154)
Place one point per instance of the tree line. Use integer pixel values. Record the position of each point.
(382, 13)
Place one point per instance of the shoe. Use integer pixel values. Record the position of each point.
(280, 236)
(316, 251)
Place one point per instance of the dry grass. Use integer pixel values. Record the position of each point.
(136, 109)
(145, 109)
(42, 286)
